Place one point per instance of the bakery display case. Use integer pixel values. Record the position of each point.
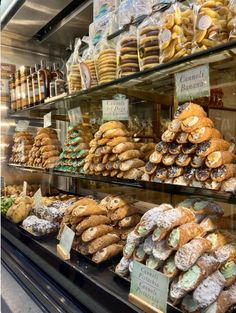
(128, 144)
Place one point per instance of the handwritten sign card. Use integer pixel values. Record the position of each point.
(149, 289)
(65, 244)
(47, 120)
(115, 110)
(75, 116)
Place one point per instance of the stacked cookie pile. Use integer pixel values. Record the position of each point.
(23, 142)
(128, 59)
(192, 152)
(148, 46)
(187, 245)
(76, 148)
(92, 70)
(114, 153)
(74, 78)
(46, 149)
(106, 65)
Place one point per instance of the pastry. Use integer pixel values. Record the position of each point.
(223, 172)
(169, 269)
(175, 126)
(193, 122)
(218, 158)
(228, 270)
(182, 137)
(212, 145)
(116, 202)
(188, 305)
(139, 254)
(169, 159)
(166, 221)
(129, 154)
(202, 174)
(188, 254)
(208, 291)
(161, 250)
(107, 253)
(168, 136)
(148, 245)
(95, 232)
(207, 207)
(127, 165)
(180, 181)
(115, 132)
(162, 147)
(150, 168)
(153, 263)
(155, 157)
(189, 109)
(102, 242)
(91, 221)
(189, 174)
(204, 133)
(175, 171)
(161, 173)
(123, 146)
(229, 185)
(197, 161)
(117, 140)
(122, 212)
(130, 221)
(183, 234)
(227, 252)
(122, 267)
(175, 148)
(183, 160)
(189, 148)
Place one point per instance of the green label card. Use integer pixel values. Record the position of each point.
(193, 83)
(67, 238)
(150, 286)
(115, 110)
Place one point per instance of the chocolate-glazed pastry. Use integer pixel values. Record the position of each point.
(223, 172)
(150, 168)
(202, 174)
(189, 148)
(169, 159)
(161, 172)
(162, 147)
(209, 146)
(175, 171)
(189, 173)
(175, 148)
(183, 160)
(182, 137)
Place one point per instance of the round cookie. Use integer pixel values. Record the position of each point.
(152, 40)
(150, 60)
(129, 42)
(149, 30)
(128, 50)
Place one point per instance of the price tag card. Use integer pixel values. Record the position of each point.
(22, 125)
(193, 83)
(149, 289)
(65, 244)
(38, 198)
(115, 110)
(75, 116)
(47, 120)
(24, 192)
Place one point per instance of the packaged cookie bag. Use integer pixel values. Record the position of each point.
(73, 69)
(211, 24)
(87, 66)
(176, 33)
(231, 24)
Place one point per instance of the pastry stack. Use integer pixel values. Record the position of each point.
(186, 244)
(191, 152)
(106, 65)
(113, 153)
(23, 142)
(46, 149)
(74, 79)
(128, 60)
(76, 148)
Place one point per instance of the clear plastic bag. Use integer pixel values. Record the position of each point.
(73, 69)
(126, 12)
(176, 33)
(127, 50)
(211, 24)
(231, 25)
(102, 7)
(148, 41)
(98, 28)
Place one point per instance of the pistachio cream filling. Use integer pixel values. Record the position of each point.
(157, 233)
(228, 270)
(213, 239)
(152, 262)
(174, 237)
(170, 266)
(140, 252)
(190, 277)
(142, 230)
(200, 205)
(187, 203)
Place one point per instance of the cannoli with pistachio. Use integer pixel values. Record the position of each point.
(170, 269)
(228, 270)
(122, 267)
(139, 254)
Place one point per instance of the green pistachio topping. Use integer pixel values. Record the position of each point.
(200, 205)
(228, 270)
(140, 253)
(156, 233)
(170, 266)
(213, 239)
(142, 230)
(174, 237)
(190, 277)
(152, 262)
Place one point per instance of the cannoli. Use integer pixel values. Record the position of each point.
(169, 269)
(123, 146)
(155, 157)
(217, 239)
(193, 122)
(111, 125)
(153, 263)
(148, 220)
(227, 252)
(175, 148)
(150, 167)
(169, 159)
(176, 292)
(91, 221)
(122, 267)
(107, 253)
(95, 232)
(189, 109)
(129, 154)
(188, 305)
(204, 133)
(225, 301)
(174, 171)
(105, 150)
(189, 148)
(175, 126)
(182, 137)
(218, 158)
(129, 249)
(122, 212)
(189, 174)
(116, 202)
(228, 270)
(82, 248)
(116, 166)
(168, 136)
(223, 172)
(202, 174)
(146, 177)
(147, 147)
(124, 232)
(133, 173)
(209, 146)
(183, 159)
(197, 161)
(162, 147)
(102, 242)
(171, 218)
(139, 254)
(117, 140)
(229, 185)
(130, 221)
(148, 245)
(180, 181)
(207, 207)
(208, 291)
(161, 173)
(183, 234)
(127, 165)
(161, 250)
(208, 224)
(115, 132)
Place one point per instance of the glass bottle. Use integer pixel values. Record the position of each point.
(35, 84)
(13, 92)
(44, 77)
(24, 72)
(18, 91)
(30, 87)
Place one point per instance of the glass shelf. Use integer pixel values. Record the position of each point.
(225, 197)
(156, 84)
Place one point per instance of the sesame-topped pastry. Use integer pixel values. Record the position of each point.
(175, 171)
(189, 109)
(202, 173)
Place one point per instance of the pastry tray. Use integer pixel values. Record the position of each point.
(38, 237)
